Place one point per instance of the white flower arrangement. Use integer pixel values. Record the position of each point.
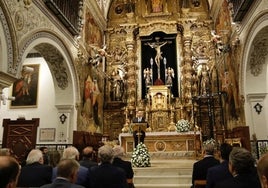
(183, 125)
(140, 156)
(210, 141)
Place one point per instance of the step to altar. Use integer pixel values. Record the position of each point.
(164, 174)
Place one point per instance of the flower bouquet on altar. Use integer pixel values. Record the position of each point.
(183, 125)
(140, 156)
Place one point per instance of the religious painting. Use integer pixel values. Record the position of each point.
(229, 71)
(157, 6)
(93, 34)
(91, 113)
(25, 89)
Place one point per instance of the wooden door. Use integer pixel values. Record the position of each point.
(20, 136)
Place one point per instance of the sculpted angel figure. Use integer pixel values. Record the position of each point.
(147, 74)
(96, 58)
(169, 75)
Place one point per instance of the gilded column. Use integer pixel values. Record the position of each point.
(131, 78)
(186, 77)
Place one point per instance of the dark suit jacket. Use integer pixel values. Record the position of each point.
(82, 176)
(88, 163)
(126, 165)
(200, 168)
(61, 183)
(107, 175)
(136, 120)
(217, 174)
(241, 181)
(35, 175)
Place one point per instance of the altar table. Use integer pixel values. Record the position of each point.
(166, 144)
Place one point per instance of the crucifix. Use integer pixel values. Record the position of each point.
(158, 57)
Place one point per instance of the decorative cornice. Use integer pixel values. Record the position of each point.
(149, 28)
(64, 108)
(6, 80)
(256, 96)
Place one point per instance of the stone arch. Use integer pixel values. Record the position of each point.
(253, 77)
(59, 60)
(61, 64)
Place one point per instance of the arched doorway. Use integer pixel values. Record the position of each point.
(254, 78)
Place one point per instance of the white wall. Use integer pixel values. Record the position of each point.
(45, 110)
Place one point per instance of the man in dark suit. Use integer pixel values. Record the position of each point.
(126, 165)
(139, 136)
(107, 175)
(35, 173)
(83, 172)
(243, 170)
(87, 157)
(200, 167)
(66, 175)
(220, 172)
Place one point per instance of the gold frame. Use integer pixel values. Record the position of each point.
(25, 89)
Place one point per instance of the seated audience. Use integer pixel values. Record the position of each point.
(106, 175)
(5, 152)
(262, 168)
(54, 158)
(83, 173)
(9, 172)
(126, 165)
(35, 173)
(220, 172)
(44, 150)
(87, 157)
(66, 175)
(200, 167)
(243, 170)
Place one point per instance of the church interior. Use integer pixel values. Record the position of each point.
(76, 72)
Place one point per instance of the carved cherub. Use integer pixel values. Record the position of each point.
(98, 53)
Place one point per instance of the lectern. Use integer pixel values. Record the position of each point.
(139, 130)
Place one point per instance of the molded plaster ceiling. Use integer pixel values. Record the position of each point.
(105, 4)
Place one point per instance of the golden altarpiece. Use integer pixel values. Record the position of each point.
(163, 59)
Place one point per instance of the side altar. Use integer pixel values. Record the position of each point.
(166, 144)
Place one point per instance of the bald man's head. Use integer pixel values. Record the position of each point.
(9, 171)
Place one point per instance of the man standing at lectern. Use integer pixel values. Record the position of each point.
(139, 119)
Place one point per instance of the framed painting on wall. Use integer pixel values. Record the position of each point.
(25, 89)
(47, 134)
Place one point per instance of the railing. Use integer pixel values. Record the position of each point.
(261, 147)
(240, 8)
(67, 11)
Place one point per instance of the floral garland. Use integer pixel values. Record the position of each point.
(140, 156)
(183, 126)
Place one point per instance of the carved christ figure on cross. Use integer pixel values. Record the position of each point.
(157, 46)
